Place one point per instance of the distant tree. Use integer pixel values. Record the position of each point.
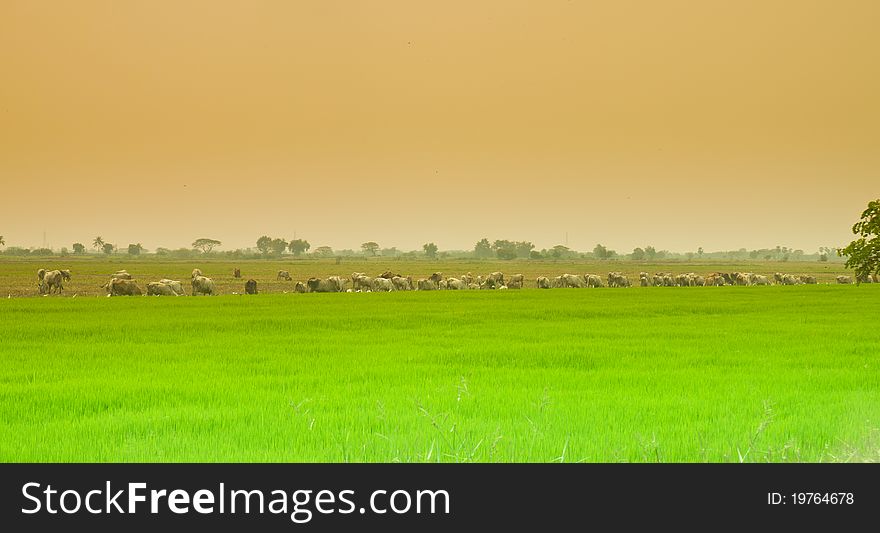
(559, 251)
(506, 253)
(600, 252)
(389, 252)
(205, 245)
(754, 254)
(690, 255)
(162, 251)
(98, 243)
(64, 251)
(370, 248)
(638, 254)
(524, 249)
(298, 246)
(264, 243)
(535, 254)
(323, 251)
(863, 254)
(483, 249)
(135, 249)
(430, 249)
(700, 252)
(78, 248)
(278, 246)
(650, 252)
(107, 248)
(823, 257)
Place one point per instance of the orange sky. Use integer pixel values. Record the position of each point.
(676, 123)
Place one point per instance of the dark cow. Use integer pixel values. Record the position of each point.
(250, 286)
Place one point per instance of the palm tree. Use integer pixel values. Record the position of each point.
(98, 243)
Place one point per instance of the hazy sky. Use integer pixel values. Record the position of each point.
(675, 123)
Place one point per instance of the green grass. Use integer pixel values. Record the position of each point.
(641, 374)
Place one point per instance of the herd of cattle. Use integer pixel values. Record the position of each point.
(121, 282)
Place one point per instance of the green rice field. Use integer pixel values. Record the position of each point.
(780, 373)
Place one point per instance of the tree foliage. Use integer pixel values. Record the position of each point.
(107, 248)
(135, 249)
(370, 248)
(205, 245)
(78, 248)
(298, 246)
(264, 243)
(863, 254)
(430, 249)
(483, 250)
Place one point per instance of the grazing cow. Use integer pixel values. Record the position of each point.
(176, 286)
(495, 280)
(617, 279)
(436, 277)
(236, 273)
(572, 281)
(866, 278)
(381, 284)
(644, 279)
(402, 284)
(202, 285)
(593, 281)
(325, 285)
(52, 281)
(283, 274)
(196, 272)
(807, 279)
(121, 274)
(300, 287)
(473, 287)
(442, 285)
(124, 287)
(515, 281)
(843, 280)
(468, 278)
(340, 283)
(250, 286)
(388, 275)
(354, 276)
(788, 279)
(427, 285)
(760, 280)
(362, 283)
(454, 284)
(542, 283)
(157, 288)
(777, 277)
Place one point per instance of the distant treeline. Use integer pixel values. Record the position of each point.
(275, 248)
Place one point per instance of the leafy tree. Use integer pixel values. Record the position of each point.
(506, 253)
(690, 255)
(205, 245)
(483, 249)
(107, 248)
(638, 254)
(650, 252)
(298, 246)
(524, 248)
(78, 248)
(700, 252)
(823, 257)
(135, 249)
(430, 249)
(863, 254)
(323, 251)
(602, 253)
(98, 243)
(278, 246)
(264, 243)
(535, 254)
(559, 251)
(370, 248)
